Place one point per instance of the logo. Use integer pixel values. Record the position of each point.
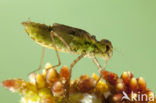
(138, 97)
(125, 96)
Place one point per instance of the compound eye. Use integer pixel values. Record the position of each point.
(107, 48)
(93, 37)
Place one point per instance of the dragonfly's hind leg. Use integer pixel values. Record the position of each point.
(41, 62)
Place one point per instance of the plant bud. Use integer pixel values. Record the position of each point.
(40, 81)
(141, 83)
(58, 89)
(133, 84)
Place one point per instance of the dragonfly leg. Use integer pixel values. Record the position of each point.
(70, 71)
(105, 64)
(97, 63)
(75, 61)
(99, 69)
(52, 34)
(63, 41)
(41, 62)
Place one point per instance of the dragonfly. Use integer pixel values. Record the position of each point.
(71, 40)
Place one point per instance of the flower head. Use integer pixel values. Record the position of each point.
(55, 87)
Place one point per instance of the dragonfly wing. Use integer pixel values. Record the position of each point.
(68, 31)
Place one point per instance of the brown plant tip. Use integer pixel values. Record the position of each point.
(110, 77)
(8, 83)
(52, 86)
(64, 73)
(86, 84)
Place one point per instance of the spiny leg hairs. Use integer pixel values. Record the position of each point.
(52, 86)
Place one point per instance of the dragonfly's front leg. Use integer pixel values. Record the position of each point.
(97, 63)
(99, 68)
(52, 34)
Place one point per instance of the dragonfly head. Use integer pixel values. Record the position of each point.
(107, 49)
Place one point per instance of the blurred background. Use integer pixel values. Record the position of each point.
(129, 24)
